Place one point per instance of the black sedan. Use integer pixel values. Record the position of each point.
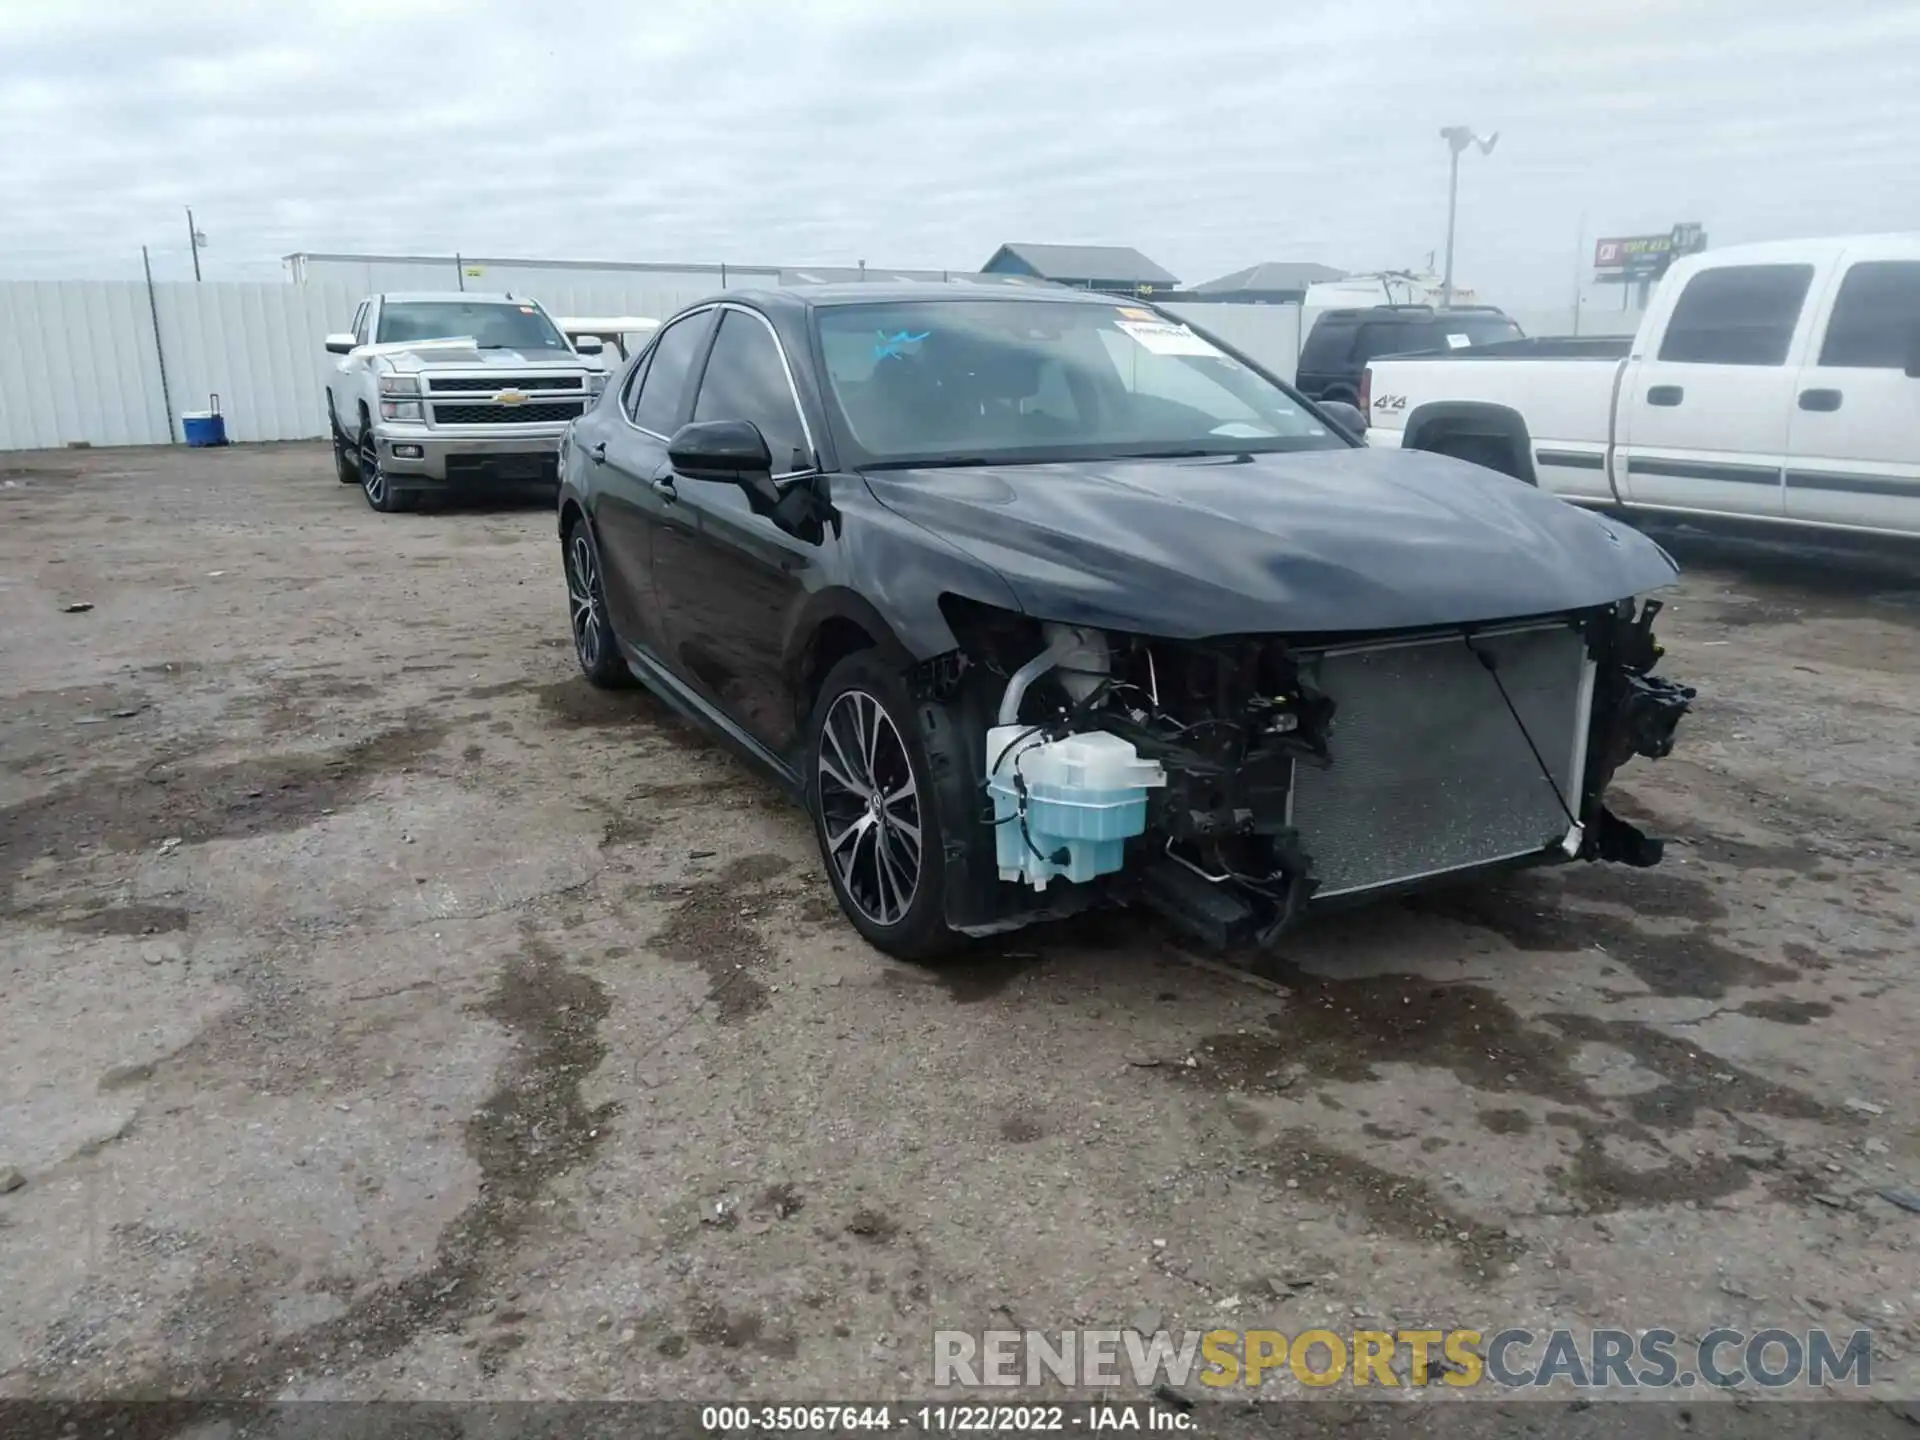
(1039, 600)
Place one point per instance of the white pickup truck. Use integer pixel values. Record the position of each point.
(1775, 383)
(454, 392)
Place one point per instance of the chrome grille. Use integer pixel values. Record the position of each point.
(487, 384)
(1430, 772)
(537, 414)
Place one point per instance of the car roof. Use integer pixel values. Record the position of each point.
(478, 297)
(821, 297)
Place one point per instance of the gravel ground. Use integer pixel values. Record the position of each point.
(385, 1013)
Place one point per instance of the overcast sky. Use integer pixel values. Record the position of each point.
(925, 132)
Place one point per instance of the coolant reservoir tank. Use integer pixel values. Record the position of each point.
(1065, 807)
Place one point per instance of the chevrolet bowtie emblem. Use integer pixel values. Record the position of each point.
(511, 397)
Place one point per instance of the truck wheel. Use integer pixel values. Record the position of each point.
(594, 645)
(374, 481)
(876, 813)
(346, 465)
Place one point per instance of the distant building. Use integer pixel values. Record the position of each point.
(1119, 269)
(1273, 282)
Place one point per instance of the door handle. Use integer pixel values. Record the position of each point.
(663, 487)
(1819, 399)
(598, 453)
(1665, 395)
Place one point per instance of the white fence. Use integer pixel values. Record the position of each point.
(79, 359)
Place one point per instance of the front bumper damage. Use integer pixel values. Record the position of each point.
(1306, 772)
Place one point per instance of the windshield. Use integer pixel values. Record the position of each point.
(493, 325)
(1036, 380)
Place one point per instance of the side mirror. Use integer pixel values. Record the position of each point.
(720, 450)
(588, 345)
(340, 344)
(1347, 417)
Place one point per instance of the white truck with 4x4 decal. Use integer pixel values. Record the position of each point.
(1777, 383)
(453, 392)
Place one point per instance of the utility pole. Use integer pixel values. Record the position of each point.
(195, 240)
(1458, 137)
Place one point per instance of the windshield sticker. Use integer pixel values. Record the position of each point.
(894, 347)
(1164, 339)
(1459, 342)
(1133, 313)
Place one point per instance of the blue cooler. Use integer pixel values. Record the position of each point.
(204, 427)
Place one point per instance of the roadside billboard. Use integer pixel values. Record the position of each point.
(1620, 259)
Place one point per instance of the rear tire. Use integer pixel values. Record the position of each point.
(594, 644)
(876, 813)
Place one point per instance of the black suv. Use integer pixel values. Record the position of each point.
(1342, 342)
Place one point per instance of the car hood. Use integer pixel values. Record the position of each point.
(411, 357)
(1305, 542)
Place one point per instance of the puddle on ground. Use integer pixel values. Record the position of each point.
(1541, 914)
(706, 929)
(1398, 1204)
(135, 810)
(1341, 1030)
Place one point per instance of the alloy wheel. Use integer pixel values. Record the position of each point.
(869, 808)
(583, 601)
(373, 479)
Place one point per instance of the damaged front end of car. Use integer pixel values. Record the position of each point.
(1235, 782)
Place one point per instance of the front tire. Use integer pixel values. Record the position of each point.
(346, 464)
(876, 816)
(375, 483)
(594, 645)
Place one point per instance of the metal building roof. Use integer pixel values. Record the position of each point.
(1086, 262)
(1273, 275)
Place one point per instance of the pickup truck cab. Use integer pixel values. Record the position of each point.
(1777, 383)
(452, 392)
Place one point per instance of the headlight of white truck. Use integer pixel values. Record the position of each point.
(596, 382)
(400, 385)
(400, 410)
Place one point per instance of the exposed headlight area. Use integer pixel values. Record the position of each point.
(596, 382)
(399, 384)
(401, 410)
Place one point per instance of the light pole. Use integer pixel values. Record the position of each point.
(197, 239)
(1458, 137)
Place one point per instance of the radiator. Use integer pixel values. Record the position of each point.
(1430, 771)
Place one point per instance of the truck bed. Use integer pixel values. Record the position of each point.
(1535, 347)
(1556, 390)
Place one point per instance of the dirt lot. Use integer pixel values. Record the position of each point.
(387, 1014)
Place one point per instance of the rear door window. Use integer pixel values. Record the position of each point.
(1737, 315)
(664, 385)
